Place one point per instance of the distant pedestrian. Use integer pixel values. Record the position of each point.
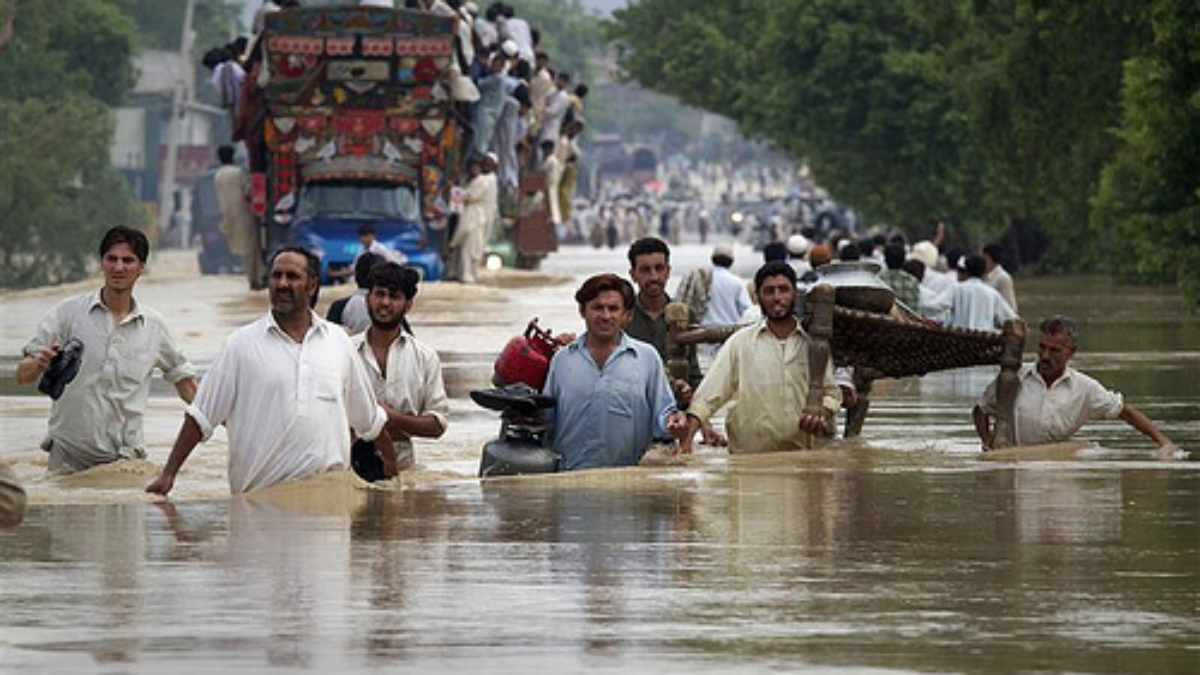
(237, 223)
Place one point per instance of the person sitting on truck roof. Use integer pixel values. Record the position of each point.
(366, 237)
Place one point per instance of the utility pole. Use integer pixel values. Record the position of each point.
(180, 99)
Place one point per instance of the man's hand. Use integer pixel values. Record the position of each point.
(711, 436)
(387, 453)
(683, 392)
(31, 367)
(161, 485)
(821, 423)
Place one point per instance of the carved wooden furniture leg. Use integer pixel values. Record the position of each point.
(1004, 433)
(820, 331)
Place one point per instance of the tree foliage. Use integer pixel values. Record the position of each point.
(996, 115)
(66, 64)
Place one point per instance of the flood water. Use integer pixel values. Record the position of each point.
(906, 551)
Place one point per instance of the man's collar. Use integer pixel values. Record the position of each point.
(623, 342)
(97, 300)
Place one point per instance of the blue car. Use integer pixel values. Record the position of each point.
(329, 215)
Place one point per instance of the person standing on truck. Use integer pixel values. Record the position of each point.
(237, 223)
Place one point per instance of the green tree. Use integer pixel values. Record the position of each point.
(65, 65)
(1150, 192)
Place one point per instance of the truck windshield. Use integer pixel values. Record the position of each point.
(358, 201)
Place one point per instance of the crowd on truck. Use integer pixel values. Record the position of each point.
(460, 113)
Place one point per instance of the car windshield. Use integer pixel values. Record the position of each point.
(358, 201)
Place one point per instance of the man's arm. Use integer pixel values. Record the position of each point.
(185, 442)
(407, 425)
(1138, 420)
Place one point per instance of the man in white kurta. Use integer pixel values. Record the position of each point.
(288, 388)
(405, 373)
(974, 304)
(237, 223)
(480, 206)
(765, 367)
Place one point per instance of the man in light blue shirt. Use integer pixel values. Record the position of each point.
(611, 391)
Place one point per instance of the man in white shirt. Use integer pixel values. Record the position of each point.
(1054, 400)
(996, 276)
(974, 304)
(97, 418)
(727, 295)
(405, 374)
(288, 387)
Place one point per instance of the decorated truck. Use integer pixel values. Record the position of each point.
(359, 129)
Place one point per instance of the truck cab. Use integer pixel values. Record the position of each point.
(329, 214)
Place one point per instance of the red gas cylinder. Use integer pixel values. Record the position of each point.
(526, 358)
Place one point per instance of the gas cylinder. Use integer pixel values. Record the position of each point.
(526, 358)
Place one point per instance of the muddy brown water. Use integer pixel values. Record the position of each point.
(903, 552)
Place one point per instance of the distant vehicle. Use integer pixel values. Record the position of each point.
(329, 216)
(214, 256)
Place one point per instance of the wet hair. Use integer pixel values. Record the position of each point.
(136, 239)
(1061, 325)
(310, 259)
(973, 265)
(582, 91)
(914, 267)
(363, 267)
(893, 256)
(647, 246)
(774, 268)
(394, 277)
(995, 252)
(365, 229)
(850, 252)
(721, 260)
(595, 285)
(225, 154)
(776, 250)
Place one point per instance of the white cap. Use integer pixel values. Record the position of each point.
(926, 252)
(798, 244)
(510, 47)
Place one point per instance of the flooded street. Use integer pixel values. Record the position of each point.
(904, 551)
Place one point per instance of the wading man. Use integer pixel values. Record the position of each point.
(765, 367)
(611, 391)
(98, 417)
(405, 374)
(650, 268)
(1054, 400)
(288, 387)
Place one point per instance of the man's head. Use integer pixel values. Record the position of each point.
(850, 252)
(798, 245)
(893, 256)
(225, 154)
(973, 266)
(722, 255)
(123, 253)
(562, 79)
(775, 250)
(1057, 342)
(775, 285)
(294, 281)
(819, 255)
(604, 303)
(363, 266)
(926, 252)
(650, 266)
(914, 267)
(366, 235)
(993, 254)
(392, 290)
